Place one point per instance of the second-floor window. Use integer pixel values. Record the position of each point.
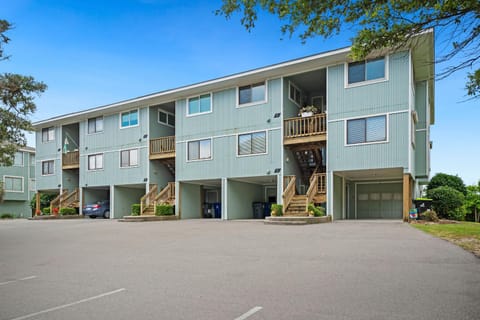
(252, 143)
(129, 158)
(13, 184)
(95, 125)
(199, 104)
(366, 70)
(48, 167)
(199, 150)
(166, 118)
(48, 134)
(365, 130)
(18, 159)
(295, 94)
(251, 94)
(95, 161)
(129, 119)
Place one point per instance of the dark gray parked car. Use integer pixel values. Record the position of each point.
(98, 209)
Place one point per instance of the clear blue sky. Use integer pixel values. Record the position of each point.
(92, 53)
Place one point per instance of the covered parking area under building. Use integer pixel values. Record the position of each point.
(371, 194)
(92, 195)
(123, 197)
(200, 199)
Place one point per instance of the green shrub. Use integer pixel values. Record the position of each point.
(446, 180)
(7, 216)
(45, 200)
(164, 210)
(136, 209)
(46, 211)
(447, 202)
(68, 211)
(277, 210)
(316, 211)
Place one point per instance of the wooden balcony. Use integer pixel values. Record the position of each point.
(305, 129)
(162, 148)
(71, 160)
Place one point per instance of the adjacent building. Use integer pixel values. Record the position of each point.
(19, 184)
(215, 147)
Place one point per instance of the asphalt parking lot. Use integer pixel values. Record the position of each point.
(208, 269)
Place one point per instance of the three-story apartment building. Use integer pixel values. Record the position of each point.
(241, 139)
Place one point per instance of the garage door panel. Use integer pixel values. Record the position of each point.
(379, 201)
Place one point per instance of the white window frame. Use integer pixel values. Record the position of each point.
(95, 118)
(249, 104)
(14, 177)
(367, 82)
(251, 154)
(49, 129)
(387, 130)
(48, 174)
(187, 111)
(129, 166)
(95, 155)
(291, 84)
(203, 159)
(129, 126)
(168, 115)
(23, 159)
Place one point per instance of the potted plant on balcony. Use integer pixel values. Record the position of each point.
(307, 111)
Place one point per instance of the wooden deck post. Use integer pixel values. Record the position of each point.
(407, 196)
(37, 204)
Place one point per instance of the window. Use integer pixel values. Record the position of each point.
(95, 125)
(166, 118)
(32, 159)
(129, 158)
(252, 143)
(31, 185)
(251, 93)
(95, 162)
(412, 127)
(295, 94)
(13, 184)
(48, 167)
(200, 150)
(365, 130)
(129, 119)
(366, 70)
(48, 134)
(18, 159)
(200, 104)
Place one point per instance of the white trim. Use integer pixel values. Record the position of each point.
(251, 154)
(282, 148)
(221, 136)
(368, 115)
(194, 140)
(427, 124)
(253, 103)
(367, 82)
(343, 198)
(129, 166)
(188, 115)
(387, 131)
(88, 162)
(418, 130)
(96, 132)
(168, 114)
(224, 199)
(410, 119)
(129, 126)
(291, 83)
(14, 177)
(41, 167)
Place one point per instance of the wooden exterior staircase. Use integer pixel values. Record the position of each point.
(66, 200)
(149, 201)
(296, 205)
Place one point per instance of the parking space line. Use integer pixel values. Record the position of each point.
(16, 280)
(249, 313)
(69, 304)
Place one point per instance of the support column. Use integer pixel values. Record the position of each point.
(407, 195)
(37, 204)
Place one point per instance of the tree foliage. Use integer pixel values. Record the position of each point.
(472, 202)
(446, 180)
(448, 202)
(379, 24)
(17, 95)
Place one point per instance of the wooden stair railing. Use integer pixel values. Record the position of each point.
(289, 191)
(55, 203)
(167, 195)
(312, 189)
(148, 199)
(70, 198)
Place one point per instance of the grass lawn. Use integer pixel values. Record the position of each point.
(464, 234)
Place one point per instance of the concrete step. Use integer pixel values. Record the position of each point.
(145, 218)
(297, 220)
(290, 223)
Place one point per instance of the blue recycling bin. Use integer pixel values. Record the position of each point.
(217, 209)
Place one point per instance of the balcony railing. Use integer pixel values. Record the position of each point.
(163, 147)
(305, 127)
(71, 160)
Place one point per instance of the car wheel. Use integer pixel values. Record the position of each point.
(92, 217)
(106, 214)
